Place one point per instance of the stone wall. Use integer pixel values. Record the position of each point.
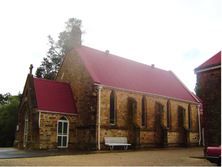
(150, 135)
(73, 71)
(48, 130)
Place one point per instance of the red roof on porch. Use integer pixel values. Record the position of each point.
(114, 71)
(54, 96)
(213, 60)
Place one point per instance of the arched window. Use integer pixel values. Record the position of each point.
(63, 132)
(168, 114)
(189, 117)
(112, 108)
(26, 128)
(143, 111)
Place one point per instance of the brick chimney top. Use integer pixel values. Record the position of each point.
(75, 37)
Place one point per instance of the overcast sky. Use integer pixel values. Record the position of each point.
(176, 35)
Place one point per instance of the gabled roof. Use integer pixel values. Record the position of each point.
(114, 71)
(213, 61)
(54, 96)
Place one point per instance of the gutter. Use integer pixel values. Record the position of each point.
(55, 112)
(207, 68)
(99, 99)
(148, 94)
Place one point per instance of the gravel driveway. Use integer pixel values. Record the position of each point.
(153, 157)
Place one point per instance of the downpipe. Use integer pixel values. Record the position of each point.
(199, 125)
(99, 94)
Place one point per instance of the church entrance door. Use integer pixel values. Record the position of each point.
(63, 132)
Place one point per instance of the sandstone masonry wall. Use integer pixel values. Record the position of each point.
(48, 130)
(73, 71)
(148, 134)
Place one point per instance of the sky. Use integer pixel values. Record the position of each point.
(176, 35)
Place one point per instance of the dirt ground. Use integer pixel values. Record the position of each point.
(154, 157)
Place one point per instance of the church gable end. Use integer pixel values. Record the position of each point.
(27, 127)
(74, 71)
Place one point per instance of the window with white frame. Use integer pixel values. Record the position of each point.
(63, 132)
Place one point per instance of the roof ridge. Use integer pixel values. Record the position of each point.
(47, 80)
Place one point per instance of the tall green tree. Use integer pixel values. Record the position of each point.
(8, 120)
(57, 49)
(198, 87)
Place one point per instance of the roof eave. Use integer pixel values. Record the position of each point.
(55, 112)
(207, 68)
(149, 94)
(197, 100)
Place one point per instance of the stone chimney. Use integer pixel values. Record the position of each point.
(75, 37)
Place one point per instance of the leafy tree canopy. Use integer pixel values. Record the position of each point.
(8, 120)
(57, 49)
(4, 98)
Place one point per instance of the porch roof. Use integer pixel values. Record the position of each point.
(54, 96)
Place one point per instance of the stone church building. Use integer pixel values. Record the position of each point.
(97, 94)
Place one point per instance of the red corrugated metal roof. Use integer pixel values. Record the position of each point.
(213, 60)
(54, 96)
(114, 71)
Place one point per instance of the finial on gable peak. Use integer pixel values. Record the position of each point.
(30, 68)
(75, 37)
